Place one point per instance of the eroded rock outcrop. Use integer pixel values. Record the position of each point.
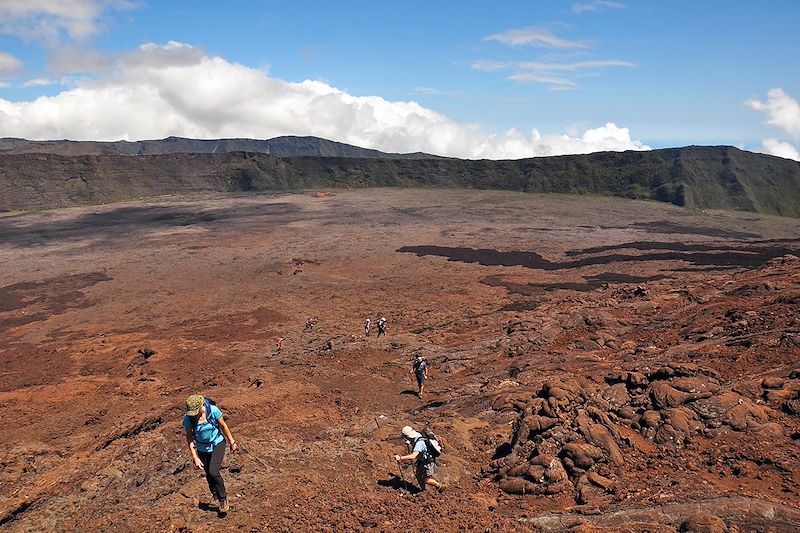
(571, 435)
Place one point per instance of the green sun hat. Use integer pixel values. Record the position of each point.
(193, 404)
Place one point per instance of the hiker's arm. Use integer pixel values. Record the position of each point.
(410, 458)
(228, 437)
(190, 441)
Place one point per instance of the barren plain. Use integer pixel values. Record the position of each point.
(597, 364)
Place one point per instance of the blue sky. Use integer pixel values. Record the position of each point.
(467, 79)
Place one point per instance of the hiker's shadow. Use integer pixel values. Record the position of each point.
(396, 483)
(409, 391)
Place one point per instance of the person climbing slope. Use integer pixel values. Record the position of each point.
(367, 323)
(420, 370)
(423, 458)
(206, 435)
(382, 326)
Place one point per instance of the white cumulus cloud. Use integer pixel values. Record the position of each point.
(177, 89)
(781, 149)
(782, 111)
(51, 21)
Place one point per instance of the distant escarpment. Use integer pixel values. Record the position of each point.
(285, 146)
(717, 177)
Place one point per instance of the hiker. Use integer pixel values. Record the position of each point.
(309, 325)
(367, 322)
(420, 370)
(206, 435)
(382, 326)
(423, 459)
(280, 343)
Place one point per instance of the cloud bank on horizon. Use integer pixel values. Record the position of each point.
(783, 112)
(158, 90)
(177, 89)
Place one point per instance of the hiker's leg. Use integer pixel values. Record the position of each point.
(428, 471)
(432, 482)
(205, 458)
(213, 476)
(419, 473)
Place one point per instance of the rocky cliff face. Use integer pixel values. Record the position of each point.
(286, 146)
(695, 177)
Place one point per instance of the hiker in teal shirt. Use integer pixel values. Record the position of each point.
(206, 433)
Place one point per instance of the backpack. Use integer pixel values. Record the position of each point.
(210, 419)
(433, 442)
(433, 447)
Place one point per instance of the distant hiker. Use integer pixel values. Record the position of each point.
(206, 434)
(420, 370)
(367, 323)
(381, 326)
(309, 325)
(423, 457)
(280, 343)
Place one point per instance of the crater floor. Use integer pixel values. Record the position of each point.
(597, 364)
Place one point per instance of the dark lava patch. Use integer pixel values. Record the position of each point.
(48, 297)
(769, 247)
(124, 220)
(591, 283)
(671, 228)
(740, 255)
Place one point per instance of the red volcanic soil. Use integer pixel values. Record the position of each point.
(596, 364)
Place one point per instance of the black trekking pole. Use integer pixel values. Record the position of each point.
(402, 478)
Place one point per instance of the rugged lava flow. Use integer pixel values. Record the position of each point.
(596, 364)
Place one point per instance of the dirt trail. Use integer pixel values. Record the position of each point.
(596, 364)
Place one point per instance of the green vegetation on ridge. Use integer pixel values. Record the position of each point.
(718, 177)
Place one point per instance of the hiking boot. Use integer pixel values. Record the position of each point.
(224, 506)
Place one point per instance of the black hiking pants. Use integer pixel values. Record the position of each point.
(212, 462)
